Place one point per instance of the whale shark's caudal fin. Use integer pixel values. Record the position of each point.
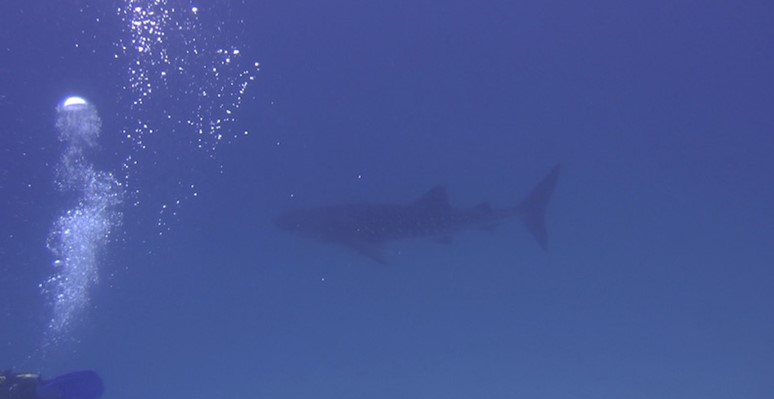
(533, 208)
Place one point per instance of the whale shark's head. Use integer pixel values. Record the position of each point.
(291, 221)
(309, 221)
(327, 223)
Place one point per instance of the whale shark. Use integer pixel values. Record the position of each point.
(365, 227)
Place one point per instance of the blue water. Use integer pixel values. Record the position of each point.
(658, 279)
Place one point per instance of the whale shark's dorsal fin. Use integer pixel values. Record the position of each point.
(435, 199)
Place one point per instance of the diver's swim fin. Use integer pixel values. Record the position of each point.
(84, 384)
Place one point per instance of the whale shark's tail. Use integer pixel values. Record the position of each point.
(533, 208)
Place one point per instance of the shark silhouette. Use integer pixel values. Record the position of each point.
(365, 227)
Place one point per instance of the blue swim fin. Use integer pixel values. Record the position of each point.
(84, 384)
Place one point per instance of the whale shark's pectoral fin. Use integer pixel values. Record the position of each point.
(371, 250)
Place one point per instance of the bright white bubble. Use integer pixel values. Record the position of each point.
(73, 102)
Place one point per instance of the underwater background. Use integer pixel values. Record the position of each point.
(217, 116)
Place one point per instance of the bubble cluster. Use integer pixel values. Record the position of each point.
(186, 80)
(81, 233)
